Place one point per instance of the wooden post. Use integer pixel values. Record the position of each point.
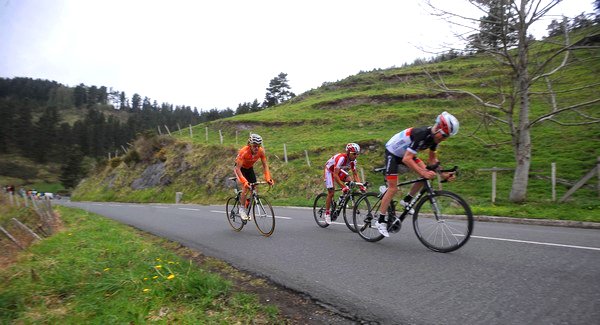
(159, 132)
(221, 136)
(179, 128)
(362, 175)
(109, 156)
(285, 153)
(307, 160)
(236, 137)
(206, 131)
(553, 179)
(13, 239)
(598, 171)
(24, 227)
(168, 131)
(494, 186)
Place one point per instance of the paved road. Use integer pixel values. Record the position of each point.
(506, 274)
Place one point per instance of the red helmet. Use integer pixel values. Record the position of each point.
(353, 147)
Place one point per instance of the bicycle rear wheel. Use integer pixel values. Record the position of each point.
(349, 219)
(443, 222)
(319, 210)
(264, 217)
(365, 210)
(232, 208)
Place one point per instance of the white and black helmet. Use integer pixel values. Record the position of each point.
(255, 139)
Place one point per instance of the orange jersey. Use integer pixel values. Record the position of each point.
(246, 159)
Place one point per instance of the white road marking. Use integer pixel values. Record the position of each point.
(276, 217)
(538, 243)
(191, 209)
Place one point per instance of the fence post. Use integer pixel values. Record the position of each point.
(362, 175)
(307, 160)
(168, 131)
(285, 153)
(221, 136)
(206, 131)
(236, 137)
(159, 132)
(179, 128)
(494, 185)
(553, 179)
(598, 171)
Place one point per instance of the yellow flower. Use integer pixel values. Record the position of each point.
(107, 269)
(158, 266)
(155, 277)
(158, 259)
(171, 276)
(145, 279)
(146, 290)
(170, 262)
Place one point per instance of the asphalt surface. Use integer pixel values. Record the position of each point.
(506, 274)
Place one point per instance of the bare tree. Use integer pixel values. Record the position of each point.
(521, 72)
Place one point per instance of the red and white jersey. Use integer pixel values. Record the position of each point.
(342, 162)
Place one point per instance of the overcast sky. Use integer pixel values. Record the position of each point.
(218, 53)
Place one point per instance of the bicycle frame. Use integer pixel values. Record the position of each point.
(427, 188)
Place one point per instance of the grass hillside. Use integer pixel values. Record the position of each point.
(368, 108)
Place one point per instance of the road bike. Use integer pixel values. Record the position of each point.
(345, 202)
(442, 220)
(262, 211)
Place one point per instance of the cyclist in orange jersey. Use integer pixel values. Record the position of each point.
(244, 170)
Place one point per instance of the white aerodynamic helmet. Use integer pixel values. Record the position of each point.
(447, 124)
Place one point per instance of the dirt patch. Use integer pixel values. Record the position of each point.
(381, 99)
(294, 307)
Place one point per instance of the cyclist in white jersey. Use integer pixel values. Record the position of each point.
(337, 170)
(401, 156)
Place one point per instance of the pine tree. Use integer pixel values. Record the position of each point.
(72, 169)
(278, 91)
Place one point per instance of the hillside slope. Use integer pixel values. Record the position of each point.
(368, 108)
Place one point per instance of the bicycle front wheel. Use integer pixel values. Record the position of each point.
(232, 208)
(366, 209)
(264, 217)
(319, 210)
(349, 219)
(443, 222)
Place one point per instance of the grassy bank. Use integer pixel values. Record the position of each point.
(99, 271)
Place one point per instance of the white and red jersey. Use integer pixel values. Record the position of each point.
(342, 162)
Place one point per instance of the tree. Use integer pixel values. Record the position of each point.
(496, 29)
(278, 91)
(72, 169)
(511, 105)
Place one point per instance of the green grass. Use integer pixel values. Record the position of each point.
(99, 271)
(369, 108)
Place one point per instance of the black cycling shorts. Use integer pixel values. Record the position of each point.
(249, 174)
(393, 164)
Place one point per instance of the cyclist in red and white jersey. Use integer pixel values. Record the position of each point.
(337, 170)
(401, 156)
(244, 167)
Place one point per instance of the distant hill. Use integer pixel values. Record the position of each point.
(45, 124)
(368, 108)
